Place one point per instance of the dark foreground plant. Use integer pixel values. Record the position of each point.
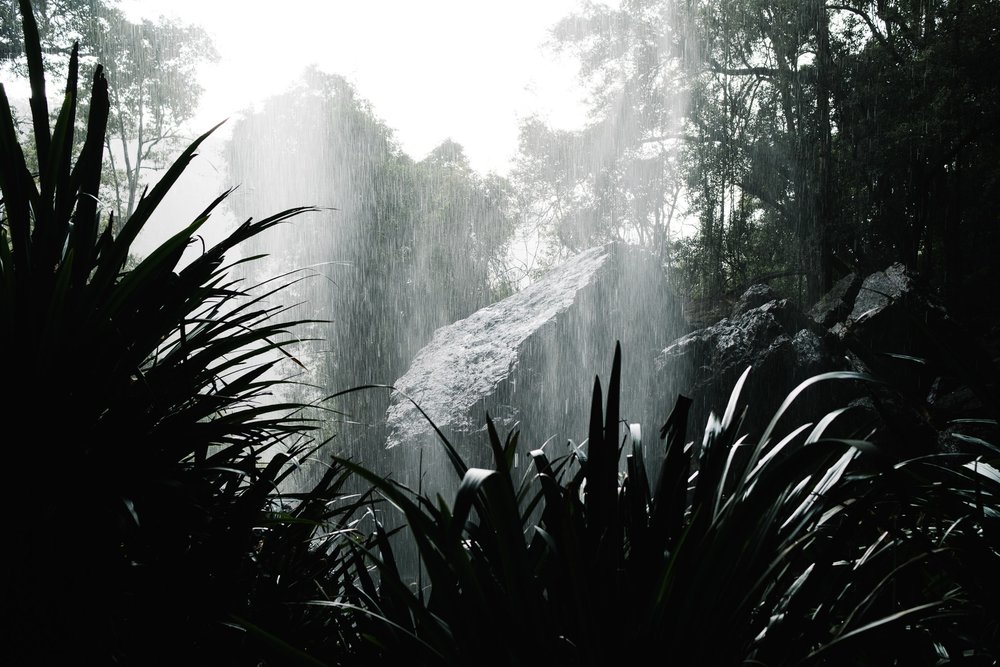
(143, 447)
(144, 524)
(800, 549)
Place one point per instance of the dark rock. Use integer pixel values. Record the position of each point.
(775, 338)
(948, 401)
(885, 326)
(880, 325)
(755, 296)
(838, 303)
(969, 437)
(878, 314)
(911, 342)
(532, 357)
(810, 350)
(880, 291)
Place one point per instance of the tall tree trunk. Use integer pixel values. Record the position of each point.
(820, 277)
(953, 262)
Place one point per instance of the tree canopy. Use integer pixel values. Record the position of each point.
(798, 139)
(150, 66)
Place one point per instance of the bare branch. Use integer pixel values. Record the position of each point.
(765, 72)
(871, 26)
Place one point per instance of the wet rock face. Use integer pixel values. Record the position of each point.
(878, 317)
(751, 337)
(531, 358)
(838, 303)
(775, 338)
(465, 362)
(907, 339)
(888, 316)
(882, 325)
(879, 291)
(755, 296)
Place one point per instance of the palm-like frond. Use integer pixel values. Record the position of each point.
(800, 549)
(145, 442)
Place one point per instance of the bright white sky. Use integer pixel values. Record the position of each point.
(432, 69)
(469, 70)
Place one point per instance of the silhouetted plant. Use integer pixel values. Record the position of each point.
(145, 451)
(800, 549)
(144, 448)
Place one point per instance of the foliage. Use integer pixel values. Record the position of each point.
(616, 179)
(143, 454)
(149, 106)
(808, 548)
(145, 462)
(919, 140)
(807, 139)
(150, 66)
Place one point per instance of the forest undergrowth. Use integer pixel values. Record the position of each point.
(145, 457)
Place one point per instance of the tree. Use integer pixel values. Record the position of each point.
(919, 139)
(401, 249)
(463, 226)
(149, 104)
(617, 178)
(815, 138)
(150, 67)
(764, 58)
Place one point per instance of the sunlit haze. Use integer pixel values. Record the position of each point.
(460, 69)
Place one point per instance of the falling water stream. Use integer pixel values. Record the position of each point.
(475, 293)
(417, 270)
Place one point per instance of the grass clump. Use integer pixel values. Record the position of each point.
(812, 546)
(144, 449)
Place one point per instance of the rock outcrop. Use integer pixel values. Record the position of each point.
(530, 361)
(884, 325)
(838, 303)
(531, 358)
(771, 335)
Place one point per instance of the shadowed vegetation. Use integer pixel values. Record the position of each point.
(808, 546)
(146, 457)
(144, 449)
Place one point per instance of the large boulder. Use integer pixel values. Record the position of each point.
(837, 304)
(884, 325)
(880, 311)
(772, 336)
(531, 358)
(904, 337)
